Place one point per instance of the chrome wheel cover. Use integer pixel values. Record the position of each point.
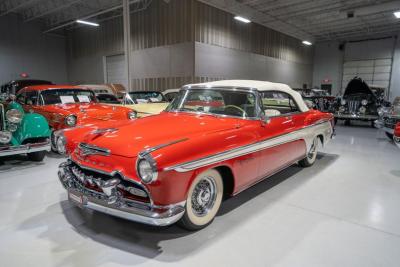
(203, 197)
(313, 150)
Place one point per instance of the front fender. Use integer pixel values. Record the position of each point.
(32, 126)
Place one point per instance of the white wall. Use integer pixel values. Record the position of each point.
(328, 64)
(371, 49)
(218, 62)
(23, 48)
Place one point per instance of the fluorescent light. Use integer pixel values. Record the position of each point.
(87, 23)
(307, 43)
(239, 18)
(397, 14)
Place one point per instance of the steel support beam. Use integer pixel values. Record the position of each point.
(127, 40)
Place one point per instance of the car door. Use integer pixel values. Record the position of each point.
(278, 137)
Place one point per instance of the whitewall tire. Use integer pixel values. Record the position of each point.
(203, 200)
(311, 154)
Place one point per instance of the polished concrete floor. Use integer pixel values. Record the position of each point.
(343, 211)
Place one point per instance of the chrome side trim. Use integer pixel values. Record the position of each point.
(307, 134)
(154, 148)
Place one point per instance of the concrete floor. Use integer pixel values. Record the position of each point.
(343, 211)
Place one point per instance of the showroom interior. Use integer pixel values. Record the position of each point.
(199, 132)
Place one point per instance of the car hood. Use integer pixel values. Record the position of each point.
(357, 86)
(141, 134)
(85, 111)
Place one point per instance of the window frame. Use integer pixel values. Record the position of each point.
(290, 97)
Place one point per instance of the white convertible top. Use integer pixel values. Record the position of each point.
(260, 86)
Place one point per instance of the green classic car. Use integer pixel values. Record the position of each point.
(22, 132)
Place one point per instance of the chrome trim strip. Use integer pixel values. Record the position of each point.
(324, 128)
(154, 148)
(87, 149)
(29, 148)
(356, 117)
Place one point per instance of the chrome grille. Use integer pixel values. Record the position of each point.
(354, 106)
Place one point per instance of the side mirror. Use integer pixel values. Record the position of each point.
(264, 119)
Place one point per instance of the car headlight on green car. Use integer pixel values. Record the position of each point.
(14, 116)
(5, 137)
(70, 120)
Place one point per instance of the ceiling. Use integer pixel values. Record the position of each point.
(320, 20)
(57, 15)
(313, 20)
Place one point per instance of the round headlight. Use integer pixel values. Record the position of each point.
(363, 110)
(364, 102)
(5, 137)
(70, 120)
(132, 115)
(60, 144)
(14, 116)
(342, 109)
(146, 172)
(343, 102)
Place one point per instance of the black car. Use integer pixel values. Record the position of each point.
(13, 87)
(359, 103)
(318, 99)
(107, 99)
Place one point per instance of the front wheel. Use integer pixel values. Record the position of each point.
(37, 156)
(203, 200)
(311, 154)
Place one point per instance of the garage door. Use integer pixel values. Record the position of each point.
(115, 70)
(374, 71)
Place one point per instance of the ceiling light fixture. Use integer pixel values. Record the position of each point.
(87, 23)
(397, 14)
(241, 19)
(307, 43)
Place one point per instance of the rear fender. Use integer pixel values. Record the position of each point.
(32, 126)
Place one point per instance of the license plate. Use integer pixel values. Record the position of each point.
(76, 198)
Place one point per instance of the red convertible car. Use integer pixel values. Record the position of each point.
(66, 106)
(396, 136)
(180, 164)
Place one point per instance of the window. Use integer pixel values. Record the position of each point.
(145, 97)
(67, 96)
(276, 103)
(31, 98)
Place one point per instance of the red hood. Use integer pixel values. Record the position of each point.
(130, 139)
(87, 112)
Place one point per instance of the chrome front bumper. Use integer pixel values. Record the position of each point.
(24, 149)
(110, 202)
(356, 117)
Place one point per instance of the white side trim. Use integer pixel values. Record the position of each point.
(307, 134)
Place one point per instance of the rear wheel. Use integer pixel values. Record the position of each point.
(311, 155)
(389, 135)
(37, 156)
(203, 200)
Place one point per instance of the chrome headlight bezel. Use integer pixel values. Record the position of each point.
(146, 168)
(342, 109)
(363, 109)
(14, 116)
(132, 115)
(5, 137)
(70, 120)
(364, 102)
(61, 144)
(343, 102)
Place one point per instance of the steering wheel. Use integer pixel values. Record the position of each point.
(235, 109)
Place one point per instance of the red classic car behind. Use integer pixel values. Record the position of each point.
(66, 106)
(178, 165)
(396, 136)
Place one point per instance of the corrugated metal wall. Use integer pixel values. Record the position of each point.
(176, 22)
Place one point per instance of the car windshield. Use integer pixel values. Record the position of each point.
(146, 97)
(67, 96)
(107, 98)
(216, 101)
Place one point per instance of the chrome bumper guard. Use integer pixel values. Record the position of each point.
(24, 149)
(111, 202)
(356, 116)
